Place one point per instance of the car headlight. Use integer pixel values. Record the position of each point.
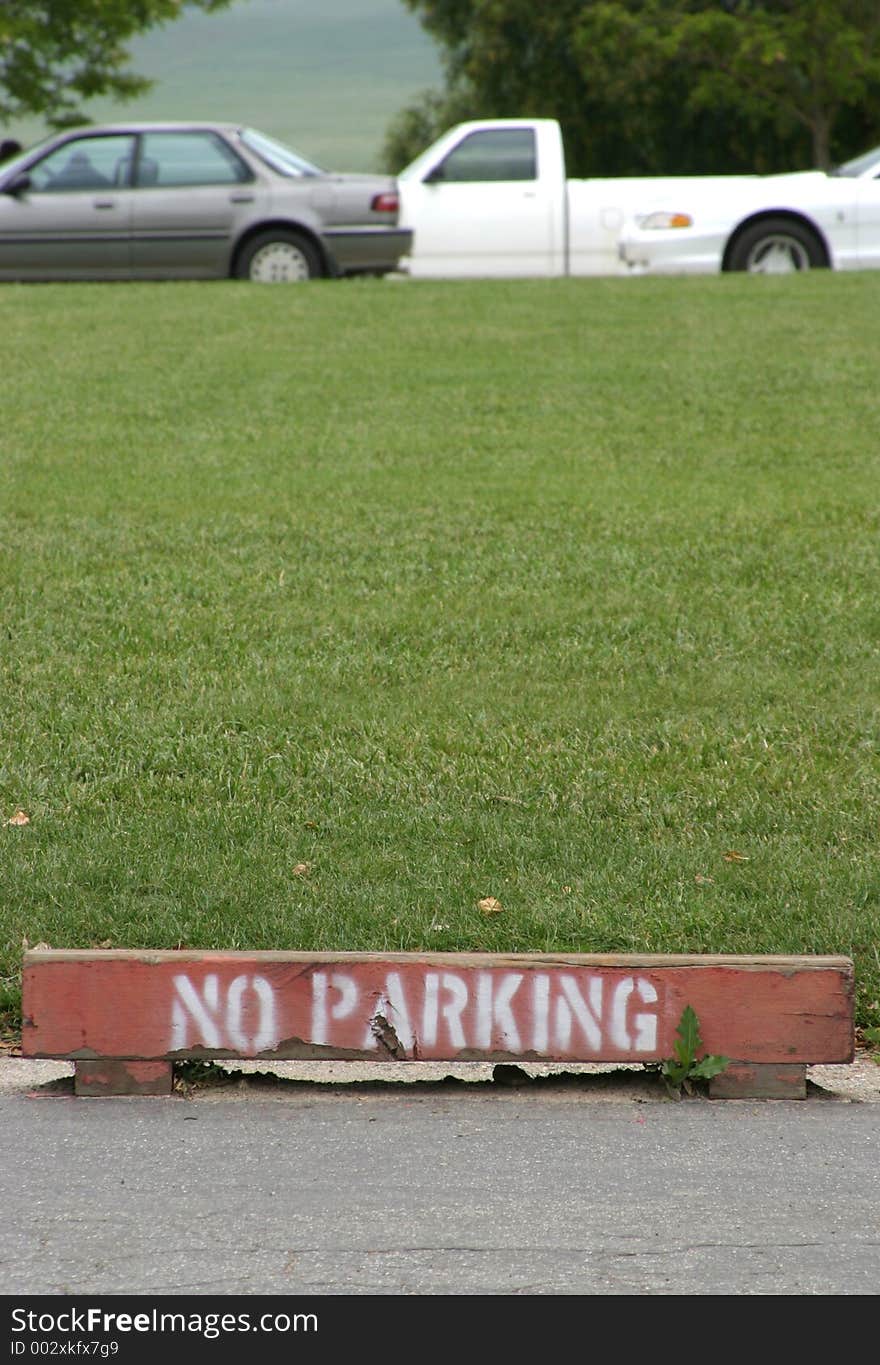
(661, 219)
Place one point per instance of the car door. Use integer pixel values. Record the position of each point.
(191, 191)
(67, 219)
(482, 209)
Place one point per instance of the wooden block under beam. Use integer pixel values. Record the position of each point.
(767, 1081)
(122, 1078)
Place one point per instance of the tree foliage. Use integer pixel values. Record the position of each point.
(814, 63)
(659, 86)
(55, 54)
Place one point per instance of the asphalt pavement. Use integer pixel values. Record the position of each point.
(340, 1179)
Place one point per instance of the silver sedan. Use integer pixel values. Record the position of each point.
(189, 201)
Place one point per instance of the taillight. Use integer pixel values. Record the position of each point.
(385, 203)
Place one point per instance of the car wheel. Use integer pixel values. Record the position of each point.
(776, 246)
(278, 257)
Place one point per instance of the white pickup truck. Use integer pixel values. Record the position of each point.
(491, 198)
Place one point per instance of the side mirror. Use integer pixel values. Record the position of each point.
(18, 184)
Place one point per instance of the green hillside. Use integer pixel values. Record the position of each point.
(325, 77)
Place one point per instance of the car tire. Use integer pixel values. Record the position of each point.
(278, 256)
(776, 246)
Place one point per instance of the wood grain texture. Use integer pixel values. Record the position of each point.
(90, 1005)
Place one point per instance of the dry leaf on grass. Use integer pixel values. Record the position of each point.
(490, 906)
(734, 856)
(301, 869)
(19, 818)
(700, 879)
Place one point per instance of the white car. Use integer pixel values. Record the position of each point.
(765, 224)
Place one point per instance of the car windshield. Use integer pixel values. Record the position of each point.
(860, 164)
(16, 162)
(280, 158)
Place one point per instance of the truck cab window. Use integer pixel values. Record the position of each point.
(494, 154)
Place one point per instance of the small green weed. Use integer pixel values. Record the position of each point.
(194, 1074)
(680, 1072)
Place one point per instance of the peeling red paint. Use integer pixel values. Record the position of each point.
(445, 1007)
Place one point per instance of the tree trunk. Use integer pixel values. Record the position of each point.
(820, 129)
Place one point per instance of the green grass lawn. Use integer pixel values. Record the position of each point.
(328, 611)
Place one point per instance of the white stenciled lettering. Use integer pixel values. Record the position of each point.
(438, 1013)
(431, 1009)
(390, 1013)
(347, 990)
(493, 1010)
(266, 1035)
(540, 1011)
(571, 1005)
(200, 1010)
(453, 1008)
(203, 1019)
(645, 1037)
(457, 997)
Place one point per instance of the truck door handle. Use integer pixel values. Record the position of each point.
(105, 203)
(241, 198)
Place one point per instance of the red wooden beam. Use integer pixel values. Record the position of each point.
(162, 1006)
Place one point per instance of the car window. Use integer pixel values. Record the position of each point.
(198, 158)
(282, 159)
(868, 162)
(493, 154)
(84, 163)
